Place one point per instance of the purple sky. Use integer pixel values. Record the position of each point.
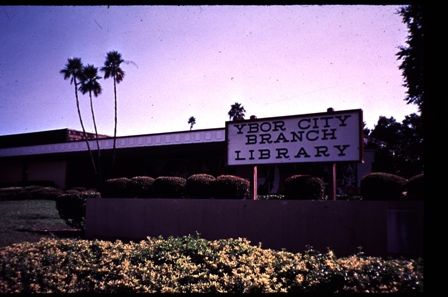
(197, 61)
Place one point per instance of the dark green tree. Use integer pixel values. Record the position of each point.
(236, 112)
(411, 55)
(192, 122)
(112, 69)
(73, 71)
(399, 146)
(90, 84)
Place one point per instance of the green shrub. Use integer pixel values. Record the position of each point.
(71, 206)
(141, 186)
(116, 188)
(11, 193)
(303, 187)
(415, 187)
(191, 264)
(169, 187)
(200, 185)
(382, 186)
(30, 193)
(44, 193)
(230, 186)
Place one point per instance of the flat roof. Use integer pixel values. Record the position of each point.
(123, 142)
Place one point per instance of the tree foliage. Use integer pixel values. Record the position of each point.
(236, 112)
(411, 55)
(399, 146)
(192, 122)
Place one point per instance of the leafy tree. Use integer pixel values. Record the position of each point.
(399, 146)
(90, 84)
(411, 55)
(112, 69)
(192, 122)
(236, 112)
(73, 71)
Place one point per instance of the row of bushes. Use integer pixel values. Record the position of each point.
(191, 264)
(374, 186)
(30, 193)
(196, 186)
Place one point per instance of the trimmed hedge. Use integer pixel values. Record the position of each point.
(29, 193)
(141, 186)
(231, 186)
(200, 185)
(169, 187)
(382, 186)
(71, 206)
(416, 188)
(116, 188)
(304, 187)
(190, 264)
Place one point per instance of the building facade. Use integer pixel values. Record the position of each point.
(60, 157)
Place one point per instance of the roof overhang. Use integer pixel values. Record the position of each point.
(125, 142)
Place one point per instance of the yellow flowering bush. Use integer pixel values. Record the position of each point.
(192, 264)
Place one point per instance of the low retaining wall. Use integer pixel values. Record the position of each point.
(381, 228)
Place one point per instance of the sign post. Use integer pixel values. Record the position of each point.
(333, 181)
(255, 183)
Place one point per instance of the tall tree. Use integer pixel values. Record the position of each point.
(90, 84)
(411, 55)
(192, 122)
(399, 146)
(73, 71)
(112, 69)
(236, 112)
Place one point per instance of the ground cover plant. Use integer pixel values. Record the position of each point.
(194, 264)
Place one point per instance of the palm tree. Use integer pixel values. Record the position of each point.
(90, 84)
(112, 69)
(192, 122)
(236, 112)
(73, 70)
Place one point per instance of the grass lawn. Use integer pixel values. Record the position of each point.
(27, 220)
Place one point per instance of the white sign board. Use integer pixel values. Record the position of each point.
(318, 137)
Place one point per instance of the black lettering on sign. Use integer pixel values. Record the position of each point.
(240, 128)
(264, 154)
(326, 134)
(265, 138)
(342, 119)
(281, 137)
(326, 121)
(321, 150)
(312, 138)
(251, 139)
(282, 152)
(341, 149)
(302, 153)
(251, 155)
(238, 158)
(265, 127)
(279, 125)
(253, 128)
(304, 126)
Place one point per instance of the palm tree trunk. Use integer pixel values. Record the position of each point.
(115, 128)
(83, 129)
(96, 135)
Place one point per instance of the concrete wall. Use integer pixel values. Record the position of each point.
(381, 228)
